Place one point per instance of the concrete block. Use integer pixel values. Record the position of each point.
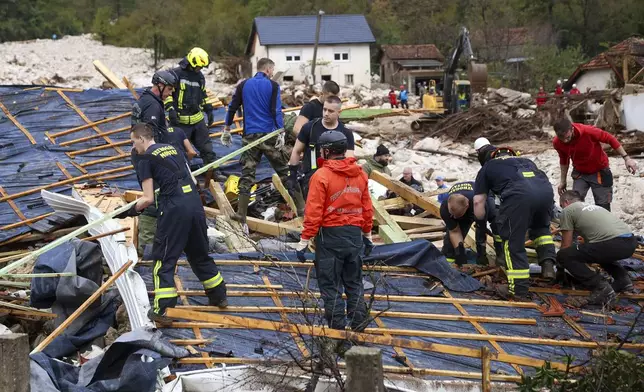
(14, 362)
(364, 370)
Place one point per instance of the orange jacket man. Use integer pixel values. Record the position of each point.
(339, 216)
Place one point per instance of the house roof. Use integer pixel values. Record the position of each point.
(413, 52)
(633, 46)
(300, 30)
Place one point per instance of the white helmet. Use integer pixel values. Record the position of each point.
(574, 85)
(559, 81)
(481, 142)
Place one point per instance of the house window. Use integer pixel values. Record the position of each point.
(348, 79)
(326, 78)
(341, 56)
(287, 78)
(293, 56)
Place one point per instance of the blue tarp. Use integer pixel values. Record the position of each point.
(25, 166)
(276, 345)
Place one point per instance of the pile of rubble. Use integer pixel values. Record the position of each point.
(297, 94)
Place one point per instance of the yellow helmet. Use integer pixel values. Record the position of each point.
(198, 57)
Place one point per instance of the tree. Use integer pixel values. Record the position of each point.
(102, 26)
(547, 64)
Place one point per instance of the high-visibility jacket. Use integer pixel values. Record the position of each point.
(189, 98)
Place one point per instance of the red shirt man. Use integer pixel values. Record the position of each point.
(559, 89)
(574, 90)
(339, 215)
(542, 97)
(582, 144)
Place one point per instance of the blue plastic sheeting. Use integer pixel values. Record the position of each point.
(276, 345)
(420, 254)
(25, 166)
(131, 363)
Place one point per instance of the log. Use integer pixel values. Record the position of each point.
(88, 125)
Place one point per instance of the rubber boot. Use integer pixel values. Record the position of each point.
(160, 319)
(603, 294)
(622, 284)
(217, 296)
(548, 270)
(242, 207)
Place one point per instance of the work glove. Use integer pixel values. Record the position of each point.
(367, 240)
(301, 248)
(460, 256)
(210, 113)
(173, 116)
(128, 213)
(279, 143)
(291, 180)
(226, 138)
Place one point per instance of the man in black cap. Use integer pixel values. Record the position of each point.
(379, 162)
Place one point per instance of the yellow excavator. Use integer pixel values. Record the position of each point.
(457, 93)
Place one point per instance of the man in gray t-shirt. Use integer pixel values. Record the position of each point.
(606, 240)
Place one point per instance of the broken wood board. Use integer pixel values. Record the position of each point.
(259, 225)
(108, 74)
(388, 229)
(277, 182)
(235, 239)
(408, 193)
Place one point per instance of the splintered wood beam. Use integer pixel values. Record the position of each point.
(388, 229)
(220, 197)
(258, 225)
(108, 74)
(408, 193)
(98, 135)
(277, 182)
(391, 314)
(253, 323)
(26, 222)
(411, 222)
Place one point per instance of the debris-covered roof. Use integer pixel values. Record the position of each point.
(46, 141)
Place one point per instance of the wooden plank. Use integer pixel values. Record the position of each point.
(90, 137)
(278, 302)
(17, 124)
(258, 225)
(411, 222)
(108, 74)
(252, 323)
(383, 297)
(401, 354)
(96, 295)
(184, 299)
(236, 240)
(130, 87)
(106, 159)
(481, 330)
(62, 168)
(391, 314)
(485, 370)
(86, 119)
(277, 182)
(66, 182)
(88, 125)
(408, 193)
(72, 154)
(388, 229)
(26, 222)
